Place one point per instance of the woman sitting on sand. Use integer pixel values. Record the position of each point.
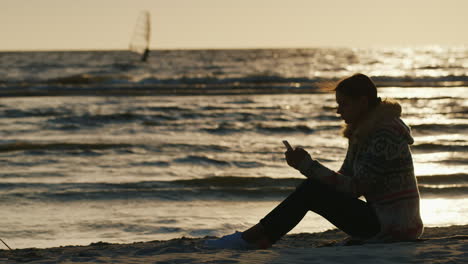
(378, 166)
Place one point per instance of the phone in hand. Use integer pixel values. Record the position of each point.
(287, 145)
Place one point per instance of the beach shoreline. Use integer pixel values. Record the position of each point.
(437, 245)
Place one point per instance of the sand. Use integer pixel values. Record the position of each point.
(438, 245)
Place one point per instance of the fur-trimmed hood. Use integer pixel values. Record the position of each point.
(386, 111)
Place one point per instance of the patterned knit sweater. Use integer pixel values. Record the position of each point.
(378, 166)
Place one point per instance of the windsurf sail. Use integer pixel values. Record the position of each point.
(140, 40)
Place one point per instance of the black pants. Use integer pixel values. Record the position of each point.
(353, 216)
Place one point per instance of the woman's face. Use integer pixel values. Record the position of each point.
(351, 109)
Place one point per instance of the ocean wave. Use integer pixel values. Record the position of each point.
(170, 191)
(96, 119)
(201, 160)
(444, 191)
(31, 175)
(76, 121)
(211, 188)
(440, 127)
(263, 128)
(440, 67)
(255, 79)
(226, 128)
(285, 129)
(118, 85)
(31, 146)
(457, 178)
(38, 112)
(11, 146)
(87, 78)
(440, 147)
(151, 164)
(431, 98)
(181, 147)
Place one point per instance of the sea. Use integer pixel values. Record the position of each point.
(99, 146)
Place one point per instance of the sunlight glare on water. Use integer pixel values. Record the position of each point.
(443, 212)
(422, 92)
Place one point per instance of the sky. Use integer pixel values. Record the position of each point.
(202, 24)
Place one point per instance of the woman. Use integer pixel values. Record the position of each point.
(378, 166)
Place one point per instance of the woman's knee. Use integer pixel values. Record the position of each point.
(313, 187)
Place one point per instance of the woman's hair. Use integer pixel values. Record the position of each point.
(359, 85)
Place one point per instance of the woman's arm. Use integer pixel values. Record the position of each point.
(342, 180)
(378, 157)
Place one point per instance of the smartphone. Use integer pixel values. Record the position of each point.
(287, 145)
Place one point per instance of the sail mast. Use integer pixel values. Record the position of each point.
(140, 42)
(148, 29)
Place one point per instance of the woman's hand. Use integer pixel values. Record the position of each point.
(294, 157)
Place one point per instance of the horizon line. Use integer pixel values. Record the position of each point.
(242, 48)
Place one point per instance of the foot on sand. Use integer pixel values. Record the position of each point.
(232, 241)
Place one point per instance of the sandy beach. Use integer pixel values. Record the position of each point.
(437, 245)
